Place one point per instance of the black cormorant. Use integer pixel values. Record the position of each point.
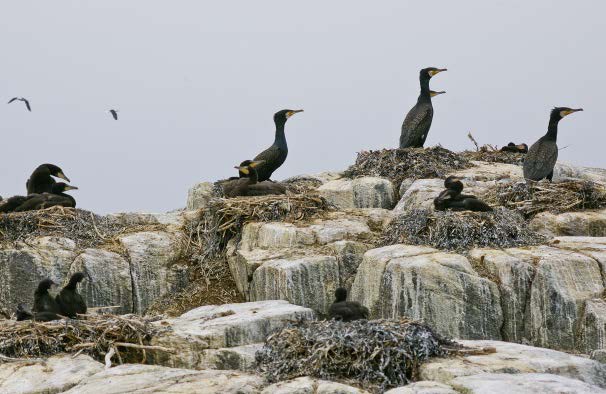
(452, 198)
(41, 181)
(519, 148)
(418, 121)
(236, 187)
(71, 303)
(274, 156)
(543, 154)
(57, 197)
(345, 310)
(29, 108)
(263, 188)
(114, 113)
(43, 301)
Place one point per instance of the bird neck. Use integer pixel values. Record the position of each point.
(425, 95)
(552, 130)
(253, 177)
(280, 140)
(72, 285)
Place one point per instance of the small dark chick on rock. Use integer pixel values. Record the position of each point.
(70, 302)
(345, 310)
(511, 147)
(452, 198)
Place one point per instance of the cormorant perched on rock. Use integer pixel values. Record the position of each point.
(41, 181)
(275, 155)
(71, 303)
(22, 315)
(543, 154)
(345, 310)
(511, 147)
(418, 121)
(452, 198)
(29, 108)
(43, 301)
(57, 197)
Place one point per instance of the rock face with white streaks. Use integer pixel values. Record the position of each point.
(199, 195)
(364, 192)
(585, 223)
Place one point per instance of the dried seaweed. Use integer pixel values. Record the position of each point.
(378, 354)
(461, 231)
(412, 163)
(96, 336)
(531, 197)
(494, 156)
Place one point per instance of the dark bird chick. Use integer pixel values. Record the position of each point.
(511, 147)
(236, 187)
(43, 301)
(453, 199)
(22, 315)
(345, 310)
(70, 302)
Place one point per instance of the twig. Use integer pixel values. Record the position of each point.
(474, 141)
(108, 357)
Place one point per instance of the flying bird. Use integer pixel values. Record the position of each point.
(29, 108)
(114, 113)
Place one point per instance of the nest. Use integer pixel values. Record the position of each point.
(378, 354)
(461, 231)
(408, 163)
(531, 197)
(494, 156)
(126, 336)
(85, 228)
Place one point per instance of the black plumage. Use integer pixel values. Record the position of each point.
(114, 113)
(41, 180)
(13, 203)
(237, 187)
(543, 154)
(274, 156)
(21, 315)
(43, 301)
(451, 198)
(57, 197)
(519, 148)
(27, 105)
(345, 310)
(70, 302)
(418, 120)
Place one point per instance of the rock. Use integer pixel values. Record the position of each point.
(423, 387)
(563, 171)
(24, 265)
(419, 194)
(172, 219)
(599, 355)
(109, 281)
(364, 192)
(134, 378)
(440, 288)
(222, 326)
(154, 267)
(512, 358)
(56, 375)
(239, 358)
(583, 223)
(307, 385)
(199, 195)
(527, 383)
(592, 327)
(485, 172)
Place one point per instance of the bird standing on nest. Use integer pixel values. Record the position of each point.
(274, 156)
(418, 120)
(543, 154)
(70, 302)
(345, 310)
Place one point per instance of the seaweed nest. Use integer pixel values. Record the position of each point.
(84, 227)
(494, 156)
(461, 231)
(378, 354)
(125, 336)
(408, 163)
(531, 197)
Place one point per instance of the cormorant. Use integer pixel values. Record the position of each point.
(263, 188)
(13, 203)
(41, 182)
(511, 147)
(452, 198)
(275, 155)
(43, 301)
(418, 121)
(236, 187)
(543, 154)
(71, 303)
(57, 197)
(114, 113)
(29, 108)
(346, 310)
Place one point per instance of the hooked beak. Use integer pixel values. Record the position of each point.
(433, 94)
(571, 111)
(243, 169)
(439, 70)
(62, 176)
(69, 187)
(291, 113)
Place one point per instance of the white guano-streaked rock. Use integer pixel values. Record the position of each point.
(526, 383)
(199, 195)
(584, 223)
(364, 192)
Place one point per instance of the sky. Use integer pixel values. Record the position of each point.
(197, 84)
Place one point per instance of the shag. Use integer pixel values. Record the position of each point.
(236, 187)
(511, 147)
(71, 303)
(57, 197)
(345, 310)
(452, 198)
(543, 154)
(41, 181)
(114, 113)
(274, 156)
(264, 188)
(418, 121)
(29, 108)
(43, 301)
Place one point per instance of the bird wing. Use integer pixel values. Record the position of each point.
(13, 99)
(272, 157)
(114, 114)
(27, 104)
(540, 160)
(416, 126)
(266, 188)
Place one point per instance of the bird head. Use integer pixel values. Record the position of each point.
(56, 171)
(560, 112)
(429, 72)
(283, 115)
(453, 183)
(433, 93)
(340, 294)
(247, 165)
(61, 187)
(77, 277)
(46, 284)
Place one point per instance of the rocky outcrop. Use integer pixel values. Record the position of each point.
(364, 192)
(585, 223)
(529, 383)
(309, 385)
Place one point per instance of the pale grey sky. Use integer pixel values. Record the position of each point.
(197, 83)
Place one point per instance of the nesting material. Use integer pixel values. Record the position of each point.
(494, 156)
(531, 197)
(408, 163)
(377, 355)
(461, 231)
(126, 336)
